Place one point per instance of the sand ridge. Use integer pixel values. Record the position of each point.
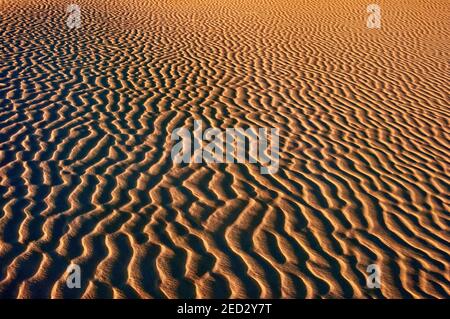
(86, 175)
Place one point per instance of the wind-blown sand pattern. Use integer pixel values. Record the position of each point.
(86, 175)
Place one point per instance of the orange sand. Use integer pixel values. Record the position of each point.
(86, 175)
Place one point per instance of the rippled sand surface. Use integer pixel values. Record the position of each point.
(86, 176)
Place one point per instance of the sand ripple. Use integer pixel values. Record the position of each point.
(85, 169)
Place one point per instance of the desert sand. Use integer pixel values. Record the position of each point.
(86, 175)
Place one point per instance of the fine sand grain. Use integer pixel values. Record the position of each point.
(86, 177)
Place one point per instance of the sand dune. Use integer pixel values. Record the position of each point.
(86, 176)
